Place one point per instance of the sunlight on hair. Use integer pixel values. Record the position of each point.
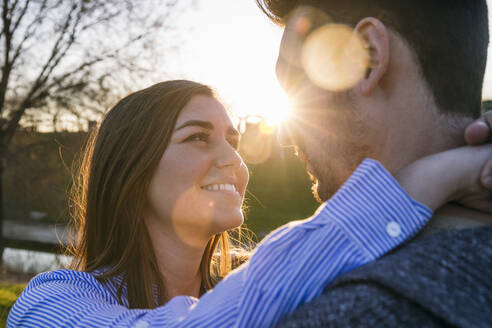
(334, 57)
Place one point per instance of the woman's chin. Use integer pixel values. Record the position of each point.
(223, 224)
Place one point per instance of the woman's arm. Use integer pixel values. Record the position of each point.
(454, 175)
(370, 215)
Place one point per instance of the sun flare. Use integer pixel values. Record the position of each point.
(240, 65)
(269, 102)
(275, 109)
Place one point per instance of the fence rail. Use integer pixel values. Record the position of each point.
(48, 238)
(33, 245)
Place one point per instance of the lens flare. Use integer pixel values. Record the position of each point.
(256, 142)
(304, 19)
(334, 57)
(303, 25)
(267, 127)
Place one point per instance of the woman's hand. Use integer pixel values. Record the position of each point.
(477, 133)
(463, 175)
(454, 175)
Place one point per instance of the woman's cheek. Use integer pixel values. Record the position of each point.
(243, 177)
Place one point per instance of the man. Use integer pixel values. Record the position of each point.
(410, 92)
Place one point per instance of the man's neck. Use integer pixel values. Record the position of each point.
(447, 133)
(452, 216)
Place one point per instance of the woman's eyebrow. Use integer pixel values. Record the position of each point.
(206, 125)
(203, 124)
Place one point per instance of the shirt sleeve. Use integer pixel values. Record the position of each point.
(370, 215)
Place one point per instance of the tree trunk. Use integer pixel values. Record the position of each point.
(2, 167)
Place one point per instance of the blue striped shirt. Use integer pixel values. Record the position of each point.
(370, 215)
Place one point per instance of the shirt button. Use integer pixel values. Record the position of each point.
(393, 229)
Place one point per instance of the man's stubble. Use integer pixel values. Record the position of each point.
(334, 158)
(328, 176)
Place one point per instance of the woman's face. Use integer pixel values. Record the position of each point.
(198, 187)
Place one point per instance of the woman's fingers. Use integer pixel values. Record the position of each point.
(488, 117)
(479, 132)
(486, 176)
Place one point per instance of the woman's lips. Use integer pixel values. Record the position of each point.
(222, 189)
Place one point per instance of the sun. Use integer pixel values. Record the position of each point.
(266, 100)
(276, 109)
(240, 66)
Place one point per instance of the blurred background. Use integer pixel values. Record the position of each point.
(64, 63)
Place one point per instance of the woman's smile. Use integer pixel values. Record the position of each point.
(201, 176)
(222, 189)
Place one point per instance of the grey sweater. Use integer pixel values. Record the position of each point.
(440, 280)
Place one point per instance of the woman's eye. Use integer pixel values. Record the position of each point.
(198, 137)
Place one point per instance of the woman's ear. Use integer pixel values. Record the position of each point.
(376, 39)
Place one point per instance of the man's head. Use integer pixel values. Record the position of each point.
(419, 81)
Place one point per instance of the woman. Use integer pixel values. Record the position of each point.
(161, 185)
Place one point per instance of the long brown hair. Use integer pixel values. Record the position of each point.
(109, 195)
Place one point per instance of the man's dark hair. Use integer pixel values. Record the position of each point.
(449, 37)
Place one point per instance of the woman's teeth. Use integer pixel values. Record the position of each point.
(222, 186)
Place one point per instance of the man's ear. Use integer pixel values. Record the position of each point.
(376, 37)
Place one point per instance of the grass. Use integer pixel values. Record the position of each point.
(8, 295)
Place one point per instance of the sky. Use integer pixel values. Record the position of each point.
(233, 47)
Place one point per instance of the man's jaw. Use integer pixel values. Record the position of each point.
(325, 184)
(321, 191)
(315, 190)
(301, 155)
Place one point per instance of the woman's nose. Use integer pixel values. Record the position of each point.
(228, 156)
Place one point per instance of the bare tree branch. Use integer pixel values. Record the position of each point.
(64, 72)
(29, 29)
(102, 57)
(54, 57)
(14, 6)
(6, 67)
(21, 15)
